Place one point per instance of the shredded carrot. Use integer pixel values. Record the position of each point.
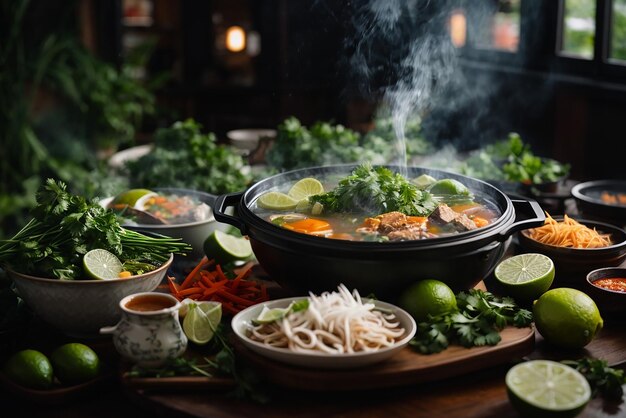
(569, 233)
(208, 281)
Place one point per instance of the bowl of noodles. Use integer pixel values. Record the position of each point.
(332, 330)
(576, 246)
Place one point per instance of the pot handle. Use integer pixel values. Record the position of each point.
(219, 211)
(537, 217)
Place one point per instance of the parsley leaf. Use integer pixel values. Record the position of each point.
(477, 322)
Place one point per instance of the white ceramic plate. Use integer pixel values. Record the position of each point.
(118, 159)
(243, 321)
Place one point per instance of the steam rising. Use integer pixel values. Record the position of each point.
(403, 53)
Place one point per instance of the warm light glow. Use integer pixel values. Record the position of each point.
(458, 28)
(235, 39)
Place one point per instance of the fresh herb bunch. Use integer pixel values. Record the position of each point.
(478, 321)
(65, 227)
(185, 157)
(376, 190)
(604, 380)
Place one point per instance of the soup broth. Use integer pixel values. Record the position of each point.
(148, 303)
(445, 220)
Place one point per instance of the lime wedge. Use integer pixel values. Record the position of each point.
(544, 388)
(303, 205)
(225, 248)
(102, 265)
(267, 315)
(277, 201)
(525, 276)
(130, 197)
(424, 181)
(201, 321)
(449, 186)
(305, 188)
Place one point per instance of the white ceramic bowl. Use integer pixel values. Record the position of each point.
(242, 322)
(193, 233)
(79, 308)
(248, 139)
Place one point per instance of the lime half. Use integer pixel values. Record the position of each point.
(267, 315)
(130, 197)
(102, 265)
(525, 276)
(544, 388)
(201, 321)
(225, 248)
(305, 188)
(277, 201)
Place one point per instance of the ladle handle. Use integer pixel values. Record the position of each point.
(219, 211)
(537, 217)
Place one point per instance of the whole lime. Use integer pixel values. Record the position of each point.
(75, 363)
(428, 297)
(567, 317)
(30, 368)
(225, 248)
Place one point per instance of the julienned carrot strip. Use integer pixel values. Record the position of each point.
(220, 273)
(172, 285)
(235, 298)
(190, 291)
(227, 307)
(189, 279)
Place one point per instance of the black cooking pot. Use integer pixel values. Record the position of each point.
(305, 263)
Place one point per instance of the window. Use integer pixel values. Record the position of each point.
(578, 28)
(495, 24)
(618, 31)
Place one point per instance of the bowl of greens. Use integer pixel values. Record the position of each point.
(73, 261)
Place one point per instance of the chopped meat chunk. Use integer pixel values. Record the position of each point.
(371, 223)
(463, 223)
(409, 233)
(392, 221)
(443, 214)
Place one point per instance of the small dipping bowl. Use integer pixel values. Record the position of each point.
(609, 301)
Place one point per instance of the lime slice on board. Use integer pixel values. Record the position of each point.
(277, 201)
(225, 248)
(544, 388)
(201, 321)
(101, 264)
(305, 188)
(525, 276)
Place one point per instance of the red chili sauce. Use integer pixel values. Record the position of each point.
(617, 284)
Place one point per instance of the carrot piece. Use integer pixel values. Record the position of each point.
(235, 298)
(220, 273)
(189, 279)
(190, 291)
(172, 286)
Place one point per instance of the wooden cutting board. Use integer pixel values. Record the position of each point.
(407, 367)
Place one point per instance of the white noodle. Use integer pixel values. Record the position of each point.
(334, 323)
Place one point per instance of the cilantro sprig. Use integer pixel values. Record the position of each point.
(64, 227)
(376, 190)
(477, 322)
(604, 380)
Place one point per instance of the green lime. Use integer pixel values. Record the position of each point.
(225, 248)
(75, 363)
(303, 206)
(567, 317)
(449, 186)
(424, 181)
(201, 321)
(267, 315)
(130, 197)
(544, 388)
(29, 368)
(102, 265)
(428, 297)
(305, 188)
(525, 276)
(277, 201)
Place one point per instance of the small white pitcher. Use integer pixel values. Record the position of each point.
(149, 333)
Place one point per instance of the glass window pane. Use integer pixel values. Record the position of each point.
(618, 30)
(579, 28)
(497, 24)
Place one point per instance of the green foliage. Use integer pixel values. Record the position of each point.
(618, 30)
(376, 190)
(185, 157)
(65, 227)
(480, 317)
(604, 380)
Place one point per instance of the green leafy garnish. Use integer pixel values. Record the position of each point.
(376, 190)
(65, 227)
(604, 380)
(477, 322)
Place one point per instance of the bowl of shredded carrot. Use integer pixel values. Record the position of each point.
(576, 246)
